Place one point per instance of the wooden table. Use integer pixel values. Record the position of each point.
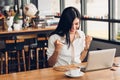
(51, 74)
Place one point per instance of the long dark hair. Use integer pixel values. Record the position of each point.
(65, 23)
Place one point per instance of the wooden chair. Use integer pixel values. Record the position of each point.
(15, 46)
(42, 44)
(2, 48)
(1, 62)
(39, 48)
(30, 44)
(31, 54)
(37, 51)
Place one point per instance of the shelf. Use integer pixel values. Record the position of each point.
(104, 20)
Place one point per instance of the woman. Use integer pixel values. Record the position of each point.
(66, 44)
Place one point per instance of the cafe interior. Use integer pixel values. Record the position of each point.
(25, 26)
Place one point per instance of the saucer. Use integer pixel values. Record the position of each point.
(78, 75)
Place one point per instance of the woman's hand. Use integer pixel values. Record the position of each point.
(58, 45)
(88, 40)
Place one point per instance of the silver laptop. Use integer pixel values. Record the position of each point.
(100, 59)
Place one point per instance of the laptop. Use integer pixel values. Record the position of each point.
(99, 59)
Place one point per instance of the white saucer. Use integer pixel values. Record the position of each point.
(69, 75)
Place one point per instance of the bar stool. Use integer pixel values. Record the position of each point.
(1, 61)
(15, 46)
(39, 48)
(42, 44)
(31, 55)
(2, 50)
(28, 47)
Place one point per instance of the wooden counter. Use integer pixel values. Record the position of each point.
(28, 31)
(51, 74)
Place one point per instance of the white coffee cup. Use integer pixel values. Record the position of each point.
(74, 72)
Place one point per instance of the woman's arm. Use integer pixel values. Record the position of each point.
(88, 40)
(53, 59)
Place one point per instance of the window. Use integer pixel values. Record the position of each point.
(116, 32)
(97, 29)
(116, 17)
(97, 9)
(74, 3)
(48, 7)
(101, 18)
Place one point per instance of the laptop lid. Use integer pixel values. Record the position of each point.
(100, 59)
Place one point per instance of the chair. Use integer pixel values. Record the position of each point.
(15, 46)
(42, 44)
(30, 43)
(1, 61)
(2, 47)
(30, 46)
(31, 53)
(37, 51)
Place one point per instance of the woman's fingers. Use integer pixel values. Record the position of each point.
(58, 45)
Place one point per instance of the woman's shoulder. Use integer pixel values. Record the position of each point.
(54, 37)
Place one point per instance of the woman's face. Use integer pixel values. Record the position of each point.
(75, 25)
